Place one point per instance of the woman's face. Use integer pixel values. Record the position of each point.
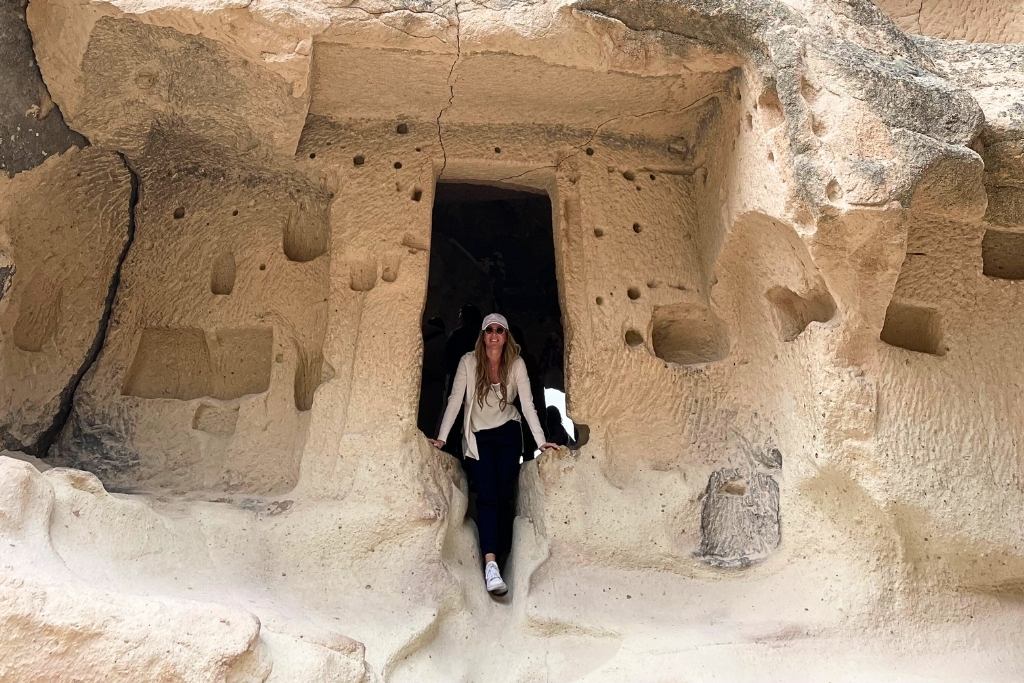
(494, 337)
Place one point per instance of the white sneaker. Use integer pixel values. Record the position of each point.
(493, 578)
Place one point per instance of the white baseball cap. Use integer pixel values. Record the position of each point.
(494, 318)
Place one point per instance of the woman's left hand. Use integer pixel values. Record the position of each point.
(548, 445)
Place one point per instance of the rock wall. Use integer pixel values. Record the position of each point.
(67, 227)
(787, 241)
(31, 125)
(214, 349)
(979, 21)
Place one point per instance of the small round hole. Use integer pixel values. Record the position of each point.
(629, 175)
(402, 128)
(633, 293)
(312, 155)
(651, 176)
(358, 160)
(179, 213)
(590, 151)
(497, 150)
(637, 228)
(419, 149)
(599, 300)
(598, 232)
(833, 190)
(235, 212)
(398, 165)
(263, 266)
(634, 338)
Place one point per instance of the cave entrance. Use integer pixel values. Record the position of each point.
(492, 249)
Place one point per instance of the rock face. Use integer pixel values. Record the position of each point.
(778, 227)
(739, 519)
(67, 226)
(979, 21)
(215, 347)
(31, 125)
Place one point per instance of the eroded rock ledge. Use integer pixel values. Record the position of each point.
(789, 241)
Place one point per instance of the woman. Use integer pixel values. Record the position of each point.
(487, 381)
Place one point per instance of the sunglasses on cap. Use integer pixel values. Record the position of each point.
(494, 329)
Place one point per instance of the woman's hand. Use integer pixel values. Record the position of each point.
(547, 445)
(436, 443)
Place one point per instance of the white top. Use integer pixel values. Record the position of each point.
(462, 392)
(490, 414)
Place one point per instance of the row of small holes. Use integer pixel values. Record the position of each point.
(633, 293)
(402, 129)
(416, 195)
(630, 176)
(179, 213)
(359, 159)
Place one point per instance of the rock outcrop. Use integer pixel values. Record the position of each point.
(779, 227)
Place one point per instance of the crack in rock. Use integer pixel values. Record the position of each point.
(67, 396)
(451, 88)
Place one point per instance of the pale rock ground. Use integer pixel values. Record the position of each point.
(789, 242)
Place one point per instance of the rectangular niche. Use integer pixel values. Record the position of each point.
(241, 361)
(912, 327)
(184, 363)
(688, 333)
(1002, 253)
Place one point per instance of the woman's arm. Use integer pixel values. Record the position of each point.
(454, 401)
(526, 401)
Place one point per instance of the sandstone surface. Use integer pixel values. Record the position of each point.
(789, 246)
(67, 227)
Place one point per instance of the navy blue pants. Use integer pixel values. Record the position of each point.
(495, 478)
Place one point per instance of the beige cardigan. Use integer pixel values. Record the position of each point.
(462, 391)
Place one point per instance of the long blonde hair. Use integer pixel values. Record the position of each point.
(509, 355)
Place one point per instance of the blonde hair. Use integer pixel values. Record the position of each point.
(509, 355)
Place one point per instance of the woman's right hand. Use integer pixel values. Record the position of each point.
(436, 443)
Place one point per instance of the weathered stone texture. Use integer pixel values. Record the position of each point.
(178, 341)
(739, 518)
(979, 21)
(67, 224)
(778, 227)
(31, 126)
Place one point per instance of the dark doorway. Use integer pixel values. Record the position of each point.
(492, 250)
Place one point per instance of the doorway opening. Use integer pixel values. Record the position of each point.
(492, 250)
